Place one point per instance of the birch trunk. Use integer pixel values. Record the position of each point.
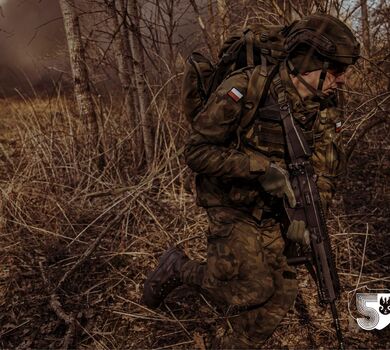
(82, 88)
(126, 72)
(224, 20)
(212, 48)
(212, 26)
(140, 80)
(365, 27)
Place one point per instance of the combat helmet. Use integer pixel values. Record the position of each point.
(319, 41)
(330, 37)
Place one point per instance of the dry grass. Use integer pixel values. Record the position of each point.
(76, 245)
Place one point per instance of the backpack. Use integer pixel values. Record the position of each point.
(259, 46)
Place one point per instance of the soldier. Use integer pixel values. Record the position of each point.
(242, 178)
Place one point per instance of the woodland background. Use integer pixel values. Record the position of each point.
(94, 187)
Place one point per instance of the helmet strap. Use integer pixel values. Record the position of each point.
(325, 67)
(316, 92)
(292, 70)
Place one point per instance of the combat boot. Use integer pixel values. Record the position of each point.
(165, 278)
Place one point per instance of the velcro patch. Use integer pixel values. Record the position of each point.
(235, 94)
(338, 126)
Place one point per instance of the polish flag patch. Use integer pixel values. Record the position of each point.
(235, 94)
(338, 126)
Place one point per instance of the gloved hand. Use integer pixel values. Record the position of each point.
(276, 182)
(297, 232)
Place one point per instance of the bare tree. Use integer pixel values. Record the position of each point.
(81, 82)
(212, 49)
(365, 27)
(141, 82)
(124, 60)
(223, 15)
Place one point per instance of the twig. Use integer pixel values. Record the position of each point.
(178, 321)
(363, 255)
(367, 128)
(69, 320)
(14, 329)
(175, 346)
(56, 306)
(85, 256)
(139, 305)
(209, 305)
(165, 319)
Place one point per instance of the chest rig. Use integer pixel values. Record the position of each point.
(265, 133)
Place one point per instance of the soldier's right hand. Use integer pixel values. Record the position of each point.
(276, 182)
(297, 232)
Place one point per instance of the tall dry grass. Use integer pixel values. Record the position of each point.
(77, 244)
(72, 234)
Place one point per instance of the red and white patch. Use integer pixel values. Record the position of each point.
(235, 94)
(338, 126)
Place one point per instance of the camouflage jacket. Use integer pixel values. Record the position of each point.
(228, 163)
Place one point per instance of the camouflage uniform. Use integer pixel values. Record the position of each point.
(246, 267)
(240, 177)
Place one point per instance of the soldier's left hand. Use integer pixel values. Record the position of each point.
(276, 182)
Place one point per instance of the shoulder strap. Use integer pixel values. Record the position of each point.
(249, 48)
(258, 86)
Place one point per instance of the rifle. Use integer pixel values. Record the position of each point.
(320, 264)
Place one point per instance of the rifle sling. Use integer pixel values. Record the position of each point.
(297, 145)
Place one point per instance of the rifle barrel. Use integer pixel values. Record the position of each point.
(337, 325)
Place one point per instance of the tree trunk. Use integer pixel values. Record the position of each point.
(82, 88)
(212, 48)
(224, 20)
(365, 27)
(126, 72)
(140, 79)
(212, 26)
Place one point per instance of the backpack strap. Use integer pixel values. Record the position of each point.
(258, 87)
(249, 37)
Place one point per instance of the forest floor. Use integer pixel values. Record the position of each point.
(76, 247)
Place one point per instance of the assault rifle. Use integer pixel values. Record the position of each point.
(320, 262)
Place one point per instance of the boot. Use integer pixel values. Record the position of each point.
(165, 278)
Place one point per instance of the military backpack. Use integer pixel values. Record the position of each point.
(258, 46)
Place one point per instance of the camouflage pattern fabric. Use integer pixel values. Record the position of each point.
(340, 43)
(247, 273)
(245, 267)
(228, 166)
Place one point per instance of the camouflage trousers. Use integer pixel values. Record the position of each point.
(247, 272)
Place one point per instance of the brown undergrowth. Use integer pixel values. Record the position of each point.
(76, 245)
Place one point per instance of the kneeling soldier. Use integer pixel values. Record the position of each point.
(242, 178)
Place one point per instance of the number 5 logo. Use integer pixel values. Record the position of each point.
(376, 311)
